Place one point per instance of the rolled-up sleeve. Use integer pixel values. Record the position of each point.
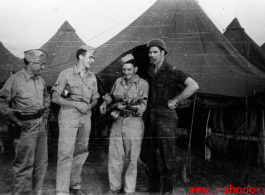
(6, 94)
(144, 96)
(60, 83)
(180, 76)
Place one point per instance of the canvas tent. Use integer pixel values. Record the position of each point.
(245, 45)
(263, 48)
(8, 63)
(61, 49)
(194, 44)
(226, 78)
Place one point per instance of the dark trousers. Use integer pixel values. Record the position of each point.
(160, 131)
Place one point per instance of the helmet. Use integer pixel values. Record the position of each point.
(157, 42)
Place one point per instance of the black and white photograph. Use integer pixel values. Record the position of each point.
(132, 97)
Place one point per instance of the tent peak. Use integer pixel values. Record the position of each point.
(66, 27)
(234, 25)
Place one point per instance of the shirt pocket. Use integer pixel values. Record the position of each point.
(162, 92)
(88, 90)
(74, 87)
(26, 94)
(27, 98)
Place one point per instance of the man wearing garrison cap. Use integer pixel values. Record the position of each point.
(22, 99)
(128, 127)
(76, 92)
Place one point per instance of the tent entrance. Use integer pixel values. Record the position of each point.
(140, 53)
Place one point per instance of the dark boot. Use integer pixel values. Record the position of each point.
(167, 186)
(154, 181)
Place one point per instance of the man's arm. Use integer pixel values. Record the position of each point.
(107, 99)
(5, 98)
(190, 88)
(81, 106)
(94, 103)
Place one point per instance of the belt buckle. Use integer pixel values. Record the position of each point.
(30, 116)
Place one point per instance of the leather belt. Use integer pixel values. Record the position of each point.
(28, 116)
(127, 114)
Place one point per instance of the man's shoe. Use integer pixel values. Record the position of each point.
(127, 193)
(152, 189)
(113, 192)
(167, 187)
(76, 192)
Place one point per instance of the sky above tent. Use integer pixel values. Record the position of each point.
(29, 24)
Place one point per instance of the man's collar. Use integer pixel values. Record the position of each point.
(162, 67)
(27, 75)
(78, 70)
(135, 79)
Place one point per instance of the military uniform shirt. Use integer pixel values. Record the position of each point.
(80, 88)
(136, 90)
(24, 91)
(164, 85)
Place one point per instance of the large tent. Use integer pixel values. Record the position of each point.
(245, 45)
(226, 78)
(194, 44)
(61, 49)
(8, 63)
(263, 48)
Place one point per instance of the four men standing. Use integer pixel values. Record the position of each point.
(76, 92)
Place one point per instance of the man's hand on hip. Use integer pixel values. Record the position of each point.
(172, 104)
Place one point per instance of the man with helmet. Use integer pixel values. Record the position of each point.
(162, 119)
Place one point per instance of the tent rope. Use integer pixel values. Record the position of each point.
(117, 23)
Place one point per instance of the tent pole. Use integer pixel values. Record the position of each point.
(261, 140)
(245, 179)
(184, 170)
(191, 128)
(208, 132)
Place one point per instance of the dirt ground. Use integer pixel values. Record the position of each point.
(221, 171)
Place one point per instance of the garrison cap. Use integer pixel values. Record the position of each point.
(35, 56)
(89, 49)
(127, 58)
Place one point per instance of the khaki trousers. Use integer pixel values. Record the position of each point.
(75, 129)
(31, 159)
(125, 142)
